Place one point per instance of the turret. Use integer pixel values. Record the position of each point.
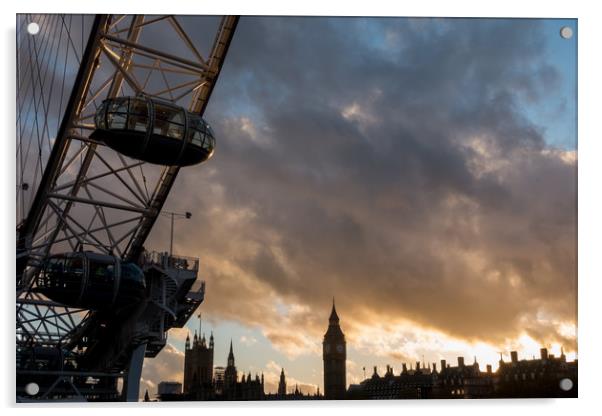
(562, 356)
(281, 383)
(334, 356)
(231, 356)
(334, 318)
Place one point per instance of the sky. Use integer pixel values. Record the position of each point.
(421, 171)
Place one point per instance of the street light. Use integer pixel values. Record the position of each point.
(174, 215)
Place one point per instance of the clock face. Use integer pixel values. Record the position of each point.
(327, 347)
(340, 348)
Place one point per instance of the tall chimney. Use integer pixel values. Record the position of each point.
(404, 368)
(514, 356)
(442, 365)
(417, 365)
(544, 353)
(434, 367)
(460, 361)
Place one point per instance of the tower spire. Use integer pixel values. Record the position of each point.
(334, 318)
(231, 356)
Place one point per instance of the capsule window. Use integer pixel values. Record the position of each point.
(197, 138)
(100, 116)
(119, 105)
(208, 142)
(131, 272)
(195, 132)
(75, 267)
(138, 115)
(102, 276)
(117, 113)
(53, 272)
(116, 121)
(169, 121)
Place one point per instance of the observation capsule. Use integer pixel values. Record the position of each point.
(91, 280)
(154, 131)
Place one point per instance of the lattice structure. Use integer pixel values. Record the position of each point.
(75, 194)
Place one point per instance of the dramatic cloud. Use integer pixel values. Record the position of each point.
(390, 163)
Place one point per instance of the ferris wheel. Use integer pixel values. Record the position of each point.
(109, 108)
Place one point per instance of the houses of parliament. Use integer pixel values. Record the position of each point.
(545, 377)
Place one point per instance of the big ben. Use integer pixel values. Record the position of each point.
(334, 353)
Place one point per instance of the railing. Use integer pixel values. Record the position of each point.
(165, 260)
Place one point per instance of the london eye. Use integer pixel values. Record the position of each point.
(107, 115)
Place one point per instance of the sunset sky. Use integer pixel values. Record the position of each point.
(421, 171)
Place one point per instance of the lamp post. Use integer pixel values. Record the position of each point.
(174, 216)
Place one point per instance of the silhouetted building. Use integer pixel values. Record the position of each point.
(218, 379)
(247, 388)
(168, 391)
(294, 394)
(282, 384)
(547, 376)
(230, 375)
(538, 377)
(198, 366)
(542, 377)
(409, 384)
(462, 381)
(334, 354)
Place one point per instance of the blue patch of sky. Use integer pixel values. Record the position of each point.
(556, 113)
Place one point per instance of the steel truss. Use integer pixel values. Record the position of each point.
(90, 197)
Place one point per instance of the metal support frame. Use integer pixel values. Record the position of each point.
(131, 386)
(94, 198)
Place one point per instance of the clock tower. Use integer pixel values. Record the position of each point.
(334, 354)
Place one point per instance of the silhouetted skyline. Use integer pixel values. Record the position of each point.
(423, 171)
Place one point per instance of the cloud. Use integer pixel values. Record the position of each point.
(436, 201)
(168, 365)
(248, 341)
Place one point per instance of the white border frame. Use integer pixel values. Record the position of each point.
(589, 208)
